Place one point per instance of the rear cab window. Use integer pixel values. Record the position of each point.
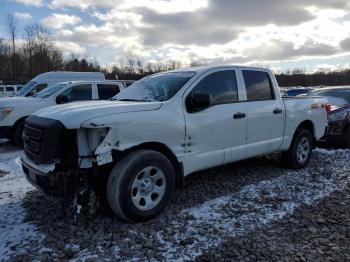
(258, 85)
(75, 93)
(107, 91)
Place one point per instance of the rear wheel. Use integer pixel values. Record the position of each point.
(299, 153)
(141, 185)
(18, 134)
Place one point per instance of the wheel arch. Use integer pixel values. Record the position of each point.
(22, 119)
(308, 125)
(163, 149)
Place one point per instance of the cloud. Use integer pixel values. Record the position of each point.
(58, 21)
(214, 31)
(24, 16)
(345, 44)
(82, 4)
(31, 2)
(70, 47)
(276, 50)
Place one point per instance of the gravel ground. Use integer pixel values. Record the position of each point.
(253, 198)
(317, 233)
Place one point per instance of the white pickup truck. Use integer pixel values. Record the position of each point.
(14, 110)
(136, 148)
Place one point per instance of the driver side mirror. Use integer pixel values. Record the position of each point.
(197, 102)
(62, 99)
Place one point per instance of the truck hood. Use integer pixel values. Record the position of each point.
(72, 115)
(16, 100)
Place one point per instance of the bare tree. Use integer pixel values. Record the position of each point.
(29, 36)
(11, 25)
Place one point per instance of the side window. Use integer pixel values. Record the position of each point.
(10, 89)
(107, 91)
(221, 87)
(258, 85)
(1, 89)
(75, 93)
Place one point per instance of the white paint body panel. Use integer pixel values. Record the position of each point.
(25, 106)
(199, 140)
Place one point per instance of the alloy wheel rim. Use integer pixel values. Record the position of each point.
(148, 188)
(303, 149)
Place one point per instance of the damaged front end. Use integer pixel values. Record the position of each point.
(62, 162)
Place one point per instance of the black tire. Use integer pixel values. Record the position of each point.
(18, 134)
(291, 158)
(120, 185)
(347, 138)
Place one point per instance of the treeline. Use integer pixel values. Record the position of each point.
(23, 58)
(300, 78)
(30, 51)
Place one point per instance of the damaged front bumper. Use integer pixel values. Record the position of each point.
(47, 179)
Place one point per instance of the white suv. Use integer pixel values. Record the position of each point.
(14, 110)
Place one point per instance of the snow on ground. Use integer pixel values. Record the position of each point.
(253, 206)
(15, 235)
(207, 225)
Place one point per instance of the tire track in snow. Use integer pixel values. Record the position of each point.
(253, 206)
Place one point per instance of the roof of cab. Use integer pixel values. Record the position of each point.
(202, 69)
(59, 74)
(95, 81)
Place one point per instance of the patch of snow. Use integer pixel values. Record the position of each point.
(15, 235)
(253, 206)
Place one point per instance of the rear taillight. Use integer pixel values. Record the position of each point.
(328, 108)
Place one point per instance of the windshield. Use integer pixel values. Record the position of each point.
(158, 87)
(26, 88)
(338, 96)
(47, 92)
(50, 91)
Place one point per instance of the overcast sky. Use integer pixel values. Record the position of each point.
(283, 34)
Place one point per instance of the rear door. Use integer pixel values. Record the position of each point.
(265, 112)
(9, 90)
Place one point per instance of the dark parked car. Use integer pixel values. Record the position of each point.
(297, 91)
(339, 116)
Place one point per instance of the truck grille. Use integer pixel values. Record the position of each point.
(41, 139)
(32, 138)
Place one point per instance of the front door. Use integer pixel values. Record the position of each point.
(215, 134)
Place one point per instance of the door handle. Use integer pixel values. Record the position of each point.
(238, 115)
(277, 111)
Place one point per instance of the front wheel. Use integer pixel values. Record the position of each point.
(299, 153)
(141, 185)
